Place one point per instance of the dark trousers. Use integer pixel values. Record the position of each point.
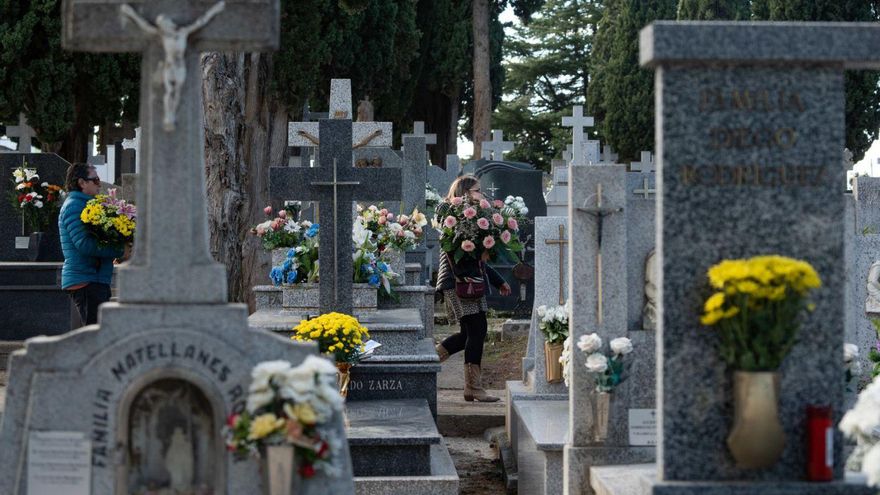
(470, 338)
(86, 301)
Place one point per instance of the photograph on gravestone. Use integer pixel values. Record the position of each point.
(783, 188)
(172, 323)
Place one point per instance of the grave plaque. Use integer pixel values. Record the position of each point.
(59, 462)
(642, 427)
(750, 127)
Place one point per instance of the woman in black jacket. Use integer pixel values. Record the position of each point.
(469, 313)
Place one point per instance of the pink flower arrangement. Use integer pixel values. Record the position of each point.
(267, 210)
(498, 204)
(472, 229)
(511, 224)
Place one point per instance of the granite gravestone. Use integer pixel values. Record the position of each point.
(440, 178)
(750, 126)
(599, 290)
(335, 184)
(172, 325)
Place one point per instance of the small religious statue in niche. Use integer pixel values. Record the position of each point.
(171, 445)
(649, 313)
(174, 38)
(872, 302)
(365, 110)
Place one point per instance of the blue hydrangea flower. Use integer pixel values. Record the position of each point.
(366, 268)
(291, 277)
(276, 275)
(291, 252)
(287, 264)
(313, 231)
(374, 281)
(382, 266)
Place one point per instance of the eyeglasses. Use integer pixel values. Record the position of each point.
(94, 180)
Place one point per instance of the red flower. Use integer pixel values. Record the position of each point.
(21, 197)
(307, 471)
(323, 449)
(230, 421)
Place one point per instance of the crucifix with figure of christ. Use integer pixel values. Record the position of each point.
(334, 185)
(599, 212)
(172, 239)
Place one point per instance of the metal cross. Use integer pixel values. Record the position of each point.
(492, 190)
(560, 242)
(645, 190)
(600, 212)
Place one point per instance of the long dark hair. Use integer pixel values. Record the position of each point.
(75, 172)
(461, 186)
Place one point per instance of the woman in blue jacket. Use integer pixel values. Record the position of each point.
(88, 267)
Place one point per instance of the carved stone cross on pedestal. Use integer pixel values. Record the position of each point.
(171, 262)
(334, 185)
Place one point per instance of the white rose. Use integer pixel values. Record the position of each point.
(38, 204)
(257, 400)
(850, 352)
(409, 234)
(865, 415)
(319, 365)
(871, 465)
(264, 371)
(621, 345)
(542, 310)
(597, 363)
(590, 343)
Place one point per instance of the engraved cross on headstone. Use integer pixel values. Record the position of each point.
(599, 212)
(646, 189)
(645, 164)
(335, 183)
(497, 147)
(23, 132)
(172, 262)
(561, 241)
(492, 190)
(578, 121)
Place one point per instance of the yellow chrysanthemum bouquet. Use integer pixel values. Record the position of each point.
(757, 306)
(112, 221)
(338, 335)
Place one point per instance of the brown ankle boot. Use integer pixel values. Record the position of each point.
(473, 385)
(442, 353)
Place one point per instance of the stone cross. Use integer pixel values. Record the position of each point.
(335, 183)
(23, 132)
(495, 149)
(134, 144)
(172, 262)
(419, 131)
(646, 189)
(567, 154)
(561, 241)
(578, 122)
(646, 163)
(306, 134)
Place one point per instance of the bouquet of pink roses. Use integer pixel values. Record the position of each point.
(471, 228)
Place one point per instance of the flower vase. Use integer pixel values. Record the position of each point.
(552, 366)
(601, 416)
(756, 439)
(343, 378)
(278, 470)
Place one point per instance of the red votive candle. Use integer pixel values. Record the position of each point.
(820, 444)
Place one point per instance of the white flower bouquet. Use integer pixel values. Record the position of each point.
(862, 423)
(608, 369)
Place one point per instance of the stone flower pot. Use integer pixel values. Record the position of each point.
(305, 297)
(756, 439)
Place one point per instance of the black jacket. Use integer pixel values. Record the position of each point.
(467, 267)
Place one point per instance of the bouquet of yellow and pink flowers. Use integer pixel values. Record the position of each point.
(112, 221)
(472, 228)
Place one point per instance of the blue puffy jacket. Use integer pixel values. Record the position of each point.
(84, 260)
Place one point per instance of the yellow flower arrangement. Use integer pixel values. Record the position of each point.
(756, 306)
(112, 221)
(338, 334)
(264, 425)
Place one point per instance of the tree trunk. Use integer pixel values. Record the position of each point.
(452, 137)
(482, 82)
(245, 134)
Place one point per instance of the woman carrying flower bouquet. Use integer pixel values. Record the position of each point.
(88, 267)
(470, 313)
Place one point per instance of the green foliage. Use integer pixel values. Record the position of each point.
(62, 93)
(546, 73)
(622, 93)
(862, 96)
(707, 10)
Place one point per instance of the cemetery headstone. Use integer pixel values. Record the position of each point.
(495, 149)
(756, 136)
(150, 385)
(23, 132)
(578, 122)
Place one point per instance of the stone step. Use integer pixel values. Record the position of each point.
(24, 274)
(391, 437)
(31, 310)
(459, 418)
(403, 376)
(541, 432)
(442, 480)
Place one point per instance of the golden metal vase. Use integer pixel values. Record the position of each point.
(552, 366)
(756, 439)
(343, 378)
